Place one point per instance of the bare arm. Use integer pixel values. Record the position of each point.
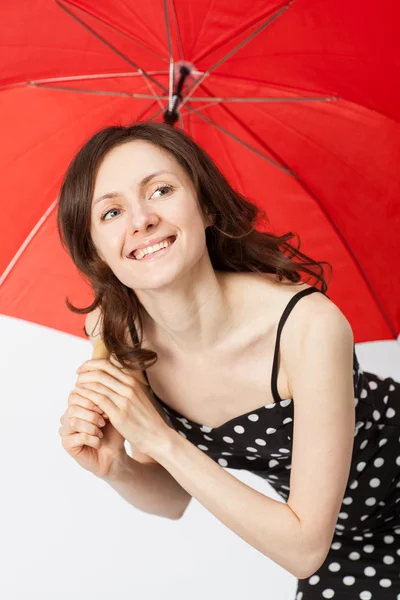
(148, 487)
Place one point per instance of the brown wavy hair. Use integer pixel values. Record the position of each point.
(233, 242)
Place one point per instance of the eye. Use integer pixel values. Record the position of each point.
(163, 187)
(103, 217)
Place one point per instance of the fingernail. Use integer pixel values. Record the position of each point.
(101, 422)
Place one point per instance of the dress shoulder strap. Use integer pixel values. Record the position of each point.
(291, 304)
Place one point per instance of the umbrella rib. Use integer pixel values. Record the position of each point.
(210, 99)
(27, 241)
(115, 50)
(94, 76)
(235, 49)
(237, 139)
(96, 92)
(178, 33)
(171, 58)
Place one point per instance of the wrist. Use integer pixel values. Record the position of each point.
(118, 468)
(167, 447)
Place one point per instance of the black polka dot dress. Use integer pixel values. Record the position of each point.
(364, 558)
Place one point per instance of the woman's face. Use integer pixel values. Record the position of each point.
(139, 211)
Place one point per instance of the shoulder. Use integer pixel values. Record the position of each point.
(318, 325)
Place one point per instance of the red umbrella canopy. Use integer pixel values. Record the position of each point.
(297, 103)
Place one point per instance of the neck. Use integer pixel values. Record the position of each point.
(195, 316)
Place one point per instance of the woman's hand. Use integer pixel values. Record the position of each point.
(94, 443)
(125, 401)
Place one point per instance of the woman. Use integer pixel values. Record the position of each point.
(252, 368)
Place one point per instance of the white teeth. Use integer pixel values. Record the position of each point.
(138, 254)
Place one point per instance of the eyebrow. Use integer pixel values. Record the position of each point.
(144, 182)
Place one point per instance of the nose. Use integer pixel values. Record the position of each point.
(142, 217)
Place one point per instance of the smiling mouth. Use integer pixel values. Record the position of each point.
(172, 238)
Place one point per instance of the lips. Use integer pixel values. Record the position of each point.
(170, 238)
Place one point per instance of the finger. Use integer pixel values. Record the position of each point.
(87, 415)
(97, 378)
(103, 364)
(76, 399)
(75, 425)
(102, 400)
(78, 440)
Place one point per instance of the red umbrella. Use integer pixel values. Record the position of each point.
(297, 103)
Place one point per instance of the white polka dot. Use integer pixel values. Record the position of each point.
(286, 402)
(385, 583)
(370, 501)
(339, 526)
(361, 466)
(369, 548)
(223, 462)
(388, 539)
(334, 567)
(251, 449)
(182, 434)
(347, 500)
(253, 417)
(354, 555)
(343, 515)
(382, 442)
(271, 405)
(375, 482)
(284, 450)
(358, 538)
(369, 571)
(368, 425)
(299, 596)
(208, 438)
(364, 393)
(239, 429)
(228, 439)
(271, 430)
(378, 462)
(376, 415)
(363, 444)
(314, 580)
(273, 463)
(388, 560)
(390, 413)
(349, 580)
(329, 593)
(206, 429)
(336, 545)
(354, 484)
(201, 447)
(251, 457)
(260, 442)
(288, 420)
(398, 461)
(365, 595)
